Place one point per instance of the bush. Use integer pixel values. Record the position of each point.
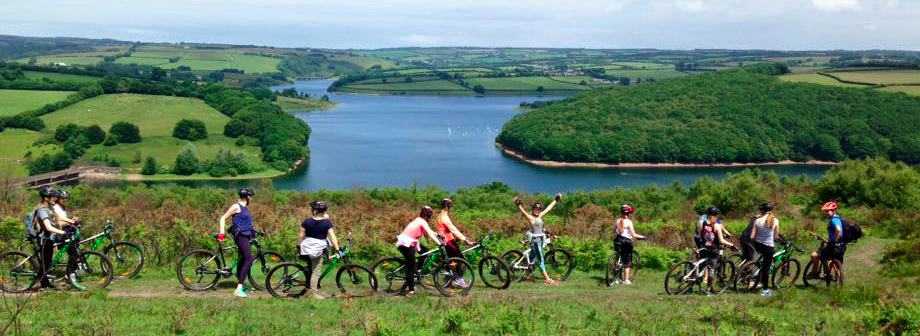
(895, 318)
(226, 164)
(65, 132)
(94, 134)
(125, 132)
(110, 140)
(186, 162)
(190, 129)
(150, 166)
(872, 182)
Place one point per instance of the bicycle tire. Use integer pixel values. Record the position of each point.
(836, 274)
(636, 265)
(258, 274)
(356, 281)
(94, 271)
(206, 270)
(788, 273)
(128, 261)
(561, 263)
(516, 264)
(494, 273)
(747, 279)
(447, 271)
(19, 272)
(613, 271)
(390, 273)
(288, 280)
(725, 275)
(737, 259)
(677, 280)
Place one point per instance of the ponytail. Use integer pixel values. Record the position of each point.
(771, 220)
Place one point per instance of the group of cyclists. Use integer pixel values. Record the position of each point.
(317, 233)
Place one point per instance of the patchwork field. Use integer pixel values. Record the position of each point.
(165, 149)
(201, 59)
(61, 77)
(78, 60)
(17, 101)
(817, 79)
(656, 74)
(911, 90)
(440, 85)
(523, 84)
(880, 76)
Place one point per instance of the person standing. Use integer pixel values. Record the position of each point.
(242, 231)
(452, 236)
(766, 228)
(316, 233)
(408, 245)
(624, 241)
(535, 234)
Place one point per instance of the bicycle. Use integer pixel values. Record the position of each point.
(127, 257)
(559, 262)
(784, 267)
(292, 280)
(685, 275)
(200, 270)
(493, 271)
(21, 271)
(450, 276)
(830, 272)
(615, 267)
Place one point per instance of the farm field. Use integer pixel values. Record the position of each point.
(18, 101)
(911, 90)
(66, 60)
(61, 77)
(817, 79)
(364, 62)
(296, 104)
(880, 76)
(141, 60)
(165, 149)
(656, 74)
(14, 144)
(523, 84)
(438, 85)
(201, 60)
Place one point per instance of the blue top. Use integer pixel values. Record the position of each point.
(316, 229)
(243, 221)
(832, 226)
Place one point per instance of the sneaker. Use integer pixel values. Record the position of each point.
(550, 282)
(616, 282)
(766, 293)
(76, 284)
(627, 282)
(459, 282)
(240, 293)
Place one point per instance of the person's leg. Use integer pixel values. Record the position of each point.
(626, 252)
(420, 260)
(246, 260)
(816, 262)
(453, 251)
(47, 252)
(766, 253)
(316, 270)
(408, 254)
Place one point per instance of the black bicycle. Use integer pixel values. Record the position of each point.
(615, 269)
(292, 279)
(200, 270)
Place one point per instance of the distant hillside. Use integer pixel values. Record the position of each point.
(12, 47)
(744, 115)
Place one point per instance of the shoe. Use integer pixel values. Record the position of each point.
(459, 282)
(76, 284)
(616, 282)
(318, 296)
(240, 293)
(550, 282)
(627, 282)
(766, 293)
(709, 294)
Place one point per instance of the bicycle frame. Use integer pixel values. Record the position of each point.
(99, 239)
(547, 242)
(476, 249)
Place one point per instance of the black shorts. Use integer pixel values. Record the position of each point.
(625, 248)
(711, 256)
(832, 252)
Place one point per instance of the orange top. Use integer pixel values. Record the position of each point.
(443, 230)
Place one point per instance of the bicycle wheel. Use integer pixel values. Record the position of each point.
(260, 267)
(287, 280)
(747, 278)
(516, 264)
(356, 281)
(835, 274)
(128, 259)
(725, 275)
(806, 274)
(94, 271)
(19, 272)
(559, 264)
(391, 275)
(636, 265)
(786, 273)
(680, 278)
(494, 272)
(736, 259)
(453, 277)
(198, 270)
(613, 269)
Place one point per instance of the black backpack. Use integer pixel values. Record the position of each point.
(851, 231)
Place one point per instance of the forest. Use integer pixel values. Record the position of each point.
(739, 115)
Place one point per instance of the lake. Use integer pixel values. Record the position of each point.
(373, 141)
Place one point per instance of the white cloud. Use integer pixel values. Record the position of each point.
(419, 40)
(837, 5)
(693, 6)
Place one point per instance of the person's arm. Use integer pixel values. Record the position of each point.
(551, 205)
(333, 239)
(234, 209)
(50, 227)
(632, 229)
(722, 237)
(725, 231)
(302, 235)
(62, 217)
(431, 234)
(520, 206)
(753, 231)
(775, 228)
(453, 229)
(838, 224)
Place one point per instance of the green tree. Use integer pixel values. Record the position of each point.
(94, 134)
(125, 132)
(540, 89)
(65, 132)
(190, 129)
(186, 162)
(479, 89)
(150, 166)
(110, 140)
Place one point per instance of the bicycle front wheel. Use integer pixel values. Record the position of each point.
(391, 275)
(454, 277)
(786, 273)
(261, 266)
(356, 281)
(94, 271)
(516, 264)
(559, 264)
(494, 273)
(835, 274)
(287, 280)
(128, 259)
(19, 272)
(747, 279)
(198, 270)
(680, 278)
(725, 275)
(613, 269)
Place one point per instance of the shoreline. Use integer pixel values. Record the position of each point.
(135, 177)
(560, 164)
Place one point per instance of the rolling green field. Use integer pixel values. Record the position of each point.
(17, 101)
(80, 60)
(656, 74)
(365, 62)
(817, 79)
(438, 85)
(880, 76)
(911, 90)
(201, 59)
(141, 60)
(14, 144)
(165, 149)
(61, 77)
(523, 84)
(296, 104)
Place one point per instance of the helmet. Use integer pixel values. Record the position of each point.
(537, 206)
(829, 206)
(46, 192)
(766, 207)
(61, 193)
(446, 203)
(626, 209)
(246, 192)
(425, 212)
(318, 206)
(712, 210)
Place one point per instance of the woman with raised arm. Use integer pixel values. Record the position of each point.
(624, 241)
(316, 233)
(536, 234)
(407, 244)
(242, 230)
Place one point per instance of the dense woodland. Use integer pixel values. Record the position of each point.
(743, 115)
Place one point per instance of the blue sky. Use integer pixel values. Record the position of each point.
(676, 24)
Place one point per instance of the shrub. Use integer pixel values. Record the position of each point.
(65, 132)
(872, 182)
(125, 132)
(186, 162)
(94, 134)
(896, 318)
(110, 140)
(190, 129)
(150, 166)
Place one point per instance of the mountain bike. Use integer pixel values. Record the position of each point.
(783, 272)
(559, 262)
(292, 280)
(200, 270)
(615, 267)
(829, 272)
(21, 271)
(450, 276)
(686, 275)
(127, 257)
(492, 270)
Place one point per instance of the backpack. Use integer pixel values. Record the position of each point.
(851, 231)
(31, 228)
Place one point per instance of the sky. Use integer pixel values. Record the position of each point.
(663, 24)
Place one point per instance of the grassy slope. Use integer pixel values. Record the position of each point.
(817, 79)
(14, 144)
(295, 104)
(61, 77)
(523, 84)
(17, 101)
(414, 86)
(911, 90)
(881, 76)
(63, 59)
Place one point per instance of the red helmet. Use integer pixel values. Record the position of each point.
(626, 209)
(425, 212)
(829, 206)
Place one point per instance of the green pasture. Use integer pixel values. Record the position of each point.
(880, 76)
(436, 85)
(817, 79)
(656, 74)
(393, 80)
(142, 61)
(523, 84)
(165, 149)
(911, 90)
(13, 102)
(15, 143)
(80, 60)
(364, 62)
(61, 77)
(573, 79)
(297, 104)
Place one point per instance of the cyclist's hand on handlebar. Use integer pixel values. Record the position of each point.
(221, 237)
(341, 253)
(470, 242)
(734, 248)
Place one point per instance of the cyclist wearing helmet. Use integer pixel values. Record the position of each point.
(242, 230)
(452, 236)
(536, 234)
(766, 228)
(60, 209)
(711, 212)
(314, 232)
(712, 238)
(835, 248)
(407, 244)
(624, 241)
(43, 219)
(67, 225)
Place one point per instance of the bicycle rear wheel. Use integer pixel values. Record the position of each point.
(516, 264)
(559, 264)
(636, 265)
(835, 274)
(356, 281)
(679, 278)
(260, 267)
(494, 273)
(391, 275)
(128, 259)
(613, 269)
(747, 278)
(454, 277)
(288, 280)
(198, 270)
(19, 272)
(786, 273)
(725, 275)
(94, 271)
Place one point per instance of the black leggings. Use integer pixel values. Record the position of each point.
(625, 248)
(409, 256)
(453, 251)
(766, 255)
(245, 260)
(47, 252)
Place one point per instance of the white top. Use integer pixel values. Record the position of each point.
(765, 234)
(59, 213)
(621, 227)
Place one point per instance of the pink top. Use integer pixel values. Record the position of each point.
(414, 229)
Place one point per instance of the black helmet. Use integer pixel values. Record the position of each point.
(537, 206)
(61, 193)
(712, 210)
(246, 192)
(318, 206)
(46, 192)
(425, 212)
(626, 209)
(766, 207)
(446, 203)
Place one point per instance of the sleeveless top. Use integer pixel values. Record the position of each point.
(764, 233)
(444, 231)
(410, 235)
(620, 228)
(536, 229)
(243, 221)
(708, 234)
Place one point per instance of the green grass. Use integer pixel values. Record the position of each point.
(880, 76)
(300, 105)
(14, 144)
(911, 90)
(436, 85)
(523, 84)
(67, 60)
(656, 74)
(365, 62)
(61, 77)
(141, 61)
(165, 149)
(18, 101)
(154, 115)
(817, 79)
(645, 65)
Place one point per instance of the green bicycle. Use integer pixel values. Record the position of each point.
(292, 280)
(493, 271)
(22, 272)
(783, 272)
(127, 257)
(450, 276)
(200, 270)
